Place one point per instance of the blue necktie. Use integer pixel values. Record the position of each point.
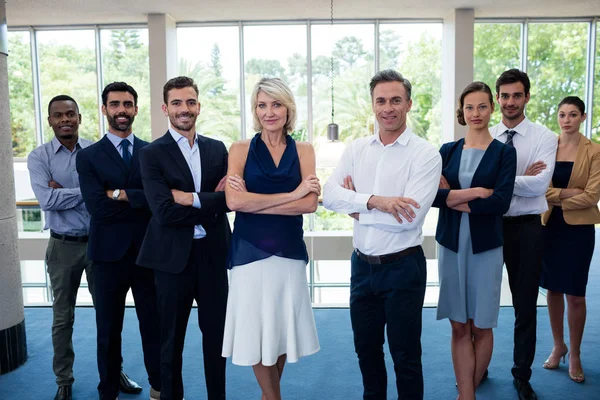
(509, 137)
(126, 155)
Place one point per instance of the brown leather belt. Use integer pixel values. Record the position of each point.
(387, 258)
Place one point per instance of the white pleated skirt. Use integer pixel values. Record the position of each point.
(269, 313)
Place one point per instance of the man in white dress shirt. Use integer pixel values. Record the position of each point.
(387, 183)
(536, 153)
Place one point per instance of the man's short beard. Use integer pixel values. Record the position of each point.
(112, 121)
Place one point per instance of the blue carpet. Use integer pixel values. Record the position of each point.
(331, 374)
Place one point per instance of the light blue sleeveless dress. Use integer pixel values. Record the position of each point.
(469, 283)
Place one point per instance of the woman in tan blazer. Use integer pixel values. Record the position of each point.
(569, 232)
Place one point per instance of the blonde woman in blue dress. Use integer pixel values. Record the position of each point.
(271, 184)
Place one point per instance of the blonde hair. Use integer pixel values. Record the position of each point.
(280, 91)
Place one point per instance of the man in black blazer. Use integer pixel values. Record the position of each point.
(111, 186)
(188, 236)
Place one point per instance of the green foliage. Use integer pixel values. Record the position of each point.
(22, 116)
(300, 135)
(422, 66)
(220, 113)
(389, 48)
(126, 59)
(497, 47)
(556, 63)
(70, 70)
(265, 68)
(321, 66)
(326, 220)
(349, 49)
(217, 68)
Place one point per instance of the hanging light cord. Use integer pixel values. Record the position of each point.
(332, 94)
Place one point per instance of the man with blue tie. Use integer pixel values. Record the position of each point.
(55, 183)
(523, 237)
(111, 187)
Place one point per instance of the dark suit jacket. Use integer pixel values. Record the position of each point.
(168, 240)
(497, 171)
(115, 225)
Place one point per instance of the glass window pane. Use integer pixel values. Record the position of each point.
(29, 219)
(33, 271)
(125, 58)
(84, 298)
(332, 271)
(351, 46)
(596, 114)
(20, 88)
(497, 47)
(556, 65)
(34, 296)
(210, 56)
(327, 220)
(415, 50)
(68, 66)
(332, 296)
(284, 57)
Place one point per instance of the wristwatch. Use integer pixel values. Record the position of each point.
(116, 194)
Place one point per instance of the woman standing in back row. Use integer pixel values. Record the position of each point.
(569, 233)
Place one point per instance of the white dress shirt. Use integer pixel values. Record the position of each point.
(533, 143)
(192, 158)
(408, 167)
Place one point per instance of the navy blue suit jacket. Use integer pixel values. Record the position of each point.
(115, 225)
(497, 171)
(168, 240)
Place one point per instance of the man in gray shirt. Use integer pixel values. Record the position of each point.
(55, 183)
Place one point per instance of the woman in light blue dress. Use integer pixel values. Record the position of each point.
(475, 190)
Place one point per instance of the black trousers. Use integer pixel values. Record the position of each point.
(523, 247)
(112, 282)
(206, 282)
(389, 295)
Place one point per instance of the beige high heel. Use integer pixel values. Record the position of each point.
(577, 377)
(548, 365)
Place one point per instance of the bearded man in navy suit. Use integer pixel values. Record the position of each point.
(111, 187)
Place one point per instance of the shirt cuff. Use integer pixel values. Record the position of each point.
(361, 200)
(196, 203)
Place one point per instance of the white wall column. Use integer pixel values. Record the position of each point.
(162, 42)
(13, 342)
(457, 67)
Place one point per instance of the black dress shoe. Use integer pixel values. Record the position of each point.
(126, 385)
(524, 389)
(64, 393)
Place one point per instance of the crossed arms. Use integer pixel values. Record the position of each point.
(304, 199)
(388, 213)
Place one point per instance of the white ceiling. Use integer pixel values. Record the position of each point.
(77, 12)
